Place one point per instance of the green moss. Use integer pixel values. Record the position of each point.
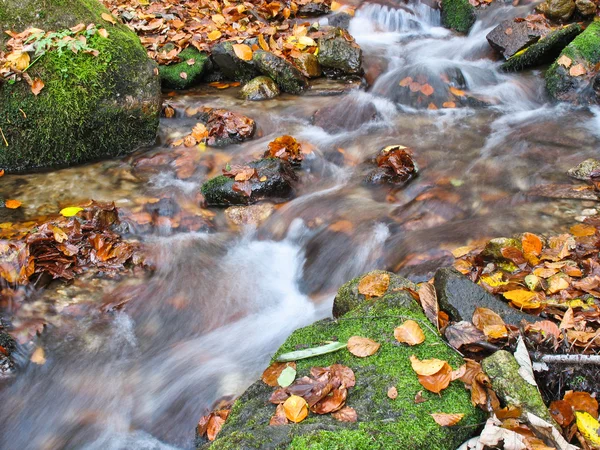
(171, 74)
(458, 15)
(91, 107)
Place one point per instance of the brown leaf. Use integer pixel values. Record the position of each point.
(332, 402)
(37, 86)
(346, 414)
(392, 392)
(242, 51)
(582, 401)
(463, 333)
(295, 408)
(409, 333)
(429, 302)
(427, 90)
(447, 420)
(272, 372)
(562, 412)
(438, 381)
(419, 398)
(362, 347)
(344, 373)
(279, 417)
(109, 18)
(374, 284)
(577, 70)
(564, 61)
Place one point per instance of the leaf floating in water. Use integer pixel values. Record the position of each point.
(12, 204)
(362, 347)
(38, 356)
(310, 352)
(70, 211)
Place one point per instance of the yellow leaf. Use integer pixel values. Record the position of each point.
(296, 408)
(588, 427)
(374, 284)
(409, 333)
(263, 44)
(214, 35)
(306, 41)
(109, 18)
(582, 229)
(494, 280)
(242, 51)
(70, 211)
(523, 299)
(18, 60)
(457, 92)
(218, 19)
(59, 235)
(427, 366)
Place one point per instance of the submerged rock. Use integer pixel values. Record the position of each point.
(459, 297)
(458, 15)
(395, 166)
(349, 114)
(193, 64)
(224, 127)
(573, 77)
(274, 181)
(545, 50)
(260, 88)
(288, 78)
(557, 9)
(584, 170)
(511, 36)
(383, 423)
(337, 50)
(91, 107)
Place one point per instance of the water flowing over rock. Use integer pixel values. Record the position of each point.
(511, 36)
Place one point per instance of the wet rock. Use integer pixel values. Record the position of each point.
(511, 387)
(288, 78)
(249, 215)
(225, 127)
(278, 184)
(584, 170)
(340, 20)
(394, 166)
(382, 422)
(309, 65)
(545, 50)
(493, 249)
(458, 15)
(459, 297)
(510, 36)
(337, 50)
(557, 9)
(260, 88)
(572, 78)
(7, 346)
(586, 7)
(348, 114)
(313, 9)
(232, 67)
(194, 65)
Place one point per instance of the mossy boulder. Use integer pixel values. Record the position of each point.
(193, 64)
(382, 423)
(260, 88)
(91, 107)
(585, 169)
(232, 67)
(585, 50)
(288, 78)
(458, 15)
(557, 9)
(338, 51)
(544, 50)
(309, 65)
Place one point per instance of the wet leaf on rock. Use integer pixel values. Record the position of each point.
(211, 424)
(374, 285)
(392, 393)
(279, 418)
(272, 373)
(429, 302)
(362, 347)
(287, 376)
(346, 414)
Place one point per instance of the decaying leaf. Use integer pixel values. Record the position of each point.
(374, 285)
(109, 18)
(392, 392)
(279, 418)
(211, 424)
(362, 347)
(582, 401)
(37, 86)
(429, 302)
(564, 61)
(346, 414)
(409, 333)
(577, 70)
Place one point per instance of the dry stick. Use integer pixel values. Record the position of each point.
(570, 359)
(3, 137)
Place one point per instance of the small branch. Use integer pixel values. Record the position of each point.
(570, 359)
(3, 137)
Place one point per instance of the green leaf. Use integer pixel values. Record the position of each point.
(286, 377)
(310, 352)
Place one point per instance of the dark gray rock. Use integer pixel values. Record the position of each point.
(459, 297)
(288, 78)
(232, 67)
(278, 185)
(509, 37)
(341, 20)
(313, 9)
(260, 88)
(337, 50)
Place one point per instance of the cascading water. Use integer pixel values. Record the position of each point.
(205, 324)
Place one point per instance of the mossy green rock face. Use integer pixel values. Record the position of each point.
(337, 52)
(458, 15)
(288, 78)
(543, 51)
(193, 63)
(382, 423)
(585, 50)
(260, 88)
(91, 107)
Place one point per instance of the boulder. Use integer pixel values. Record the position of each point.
(232, 67)
(193, 64)
(564, 82)
(91, 107)
(394, 166)
(586, 7)
(313, 9)
(260, 88)
(308, 64)
(383, 423)
(458, 15)
(338, 51)
(225, 127)
(585, 169)
(288, 78)
(340, 20)
(557, 9)
(543, 51)
(510, 36)
(278, 184)
(459, 297)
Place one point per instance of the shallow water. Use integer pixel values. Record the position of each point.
(222, 299)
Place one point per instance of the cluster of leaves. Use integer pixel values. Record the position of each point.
(419, 88)
(286, 148)
(577, 413)
(397, 163)
(34, 41)
(243, 177)
(64, 246)
(167, 28)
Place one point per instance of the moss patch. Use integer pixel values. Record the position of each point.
(382, 423)
(171, 75)
(458, 15)
(91, 107)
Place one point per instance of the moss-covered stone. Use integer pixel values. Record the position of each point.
(288, 78)
(260, 88)
(557, 9)
(511, 387)
(493, 249)
(382, 423)
(543, 51)
(338, 51)
(193, 63)
(91, 107)
(584, 49)
(458, 15)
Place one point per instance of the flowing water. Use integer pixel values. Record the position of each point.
(204, 324)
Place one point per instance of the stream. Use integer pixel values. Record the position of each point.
(203, 326)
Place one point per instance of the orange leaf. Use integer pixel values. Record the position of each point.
(432, 107)
(362, 347)
(449, 105)
(523, 299)
(409, 333)
(263, 44)
(296, 408)
(272, 372)
(577, 70)
(457, 92)
(242, 51)
(490, 323)
(562, 412)
(37, 86)
(582, 229)
(427, 366)
(582, 401)
(1, 172)
(531, 244)
(374, 284)
(438, 381)
(447, 420)
(564, 61)
(12, 204)
(109, 18)
(405, 81)
(427, 90)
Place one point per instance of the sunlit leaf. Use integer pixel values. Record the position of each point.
(374, 284)
(70, 211)
(426, 366)
(12, 204)
(588, 426)
(296, 409)
(362, 347)
(242, 51)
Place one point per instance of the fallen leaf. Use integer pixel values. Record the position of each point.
(429, 302)
(409, 333)
(419, 398)
(279, 418)
(457, 92)
(531, 244)
(109, 18)
(12, 204)
(214, 35)
(362, 347)
(242, 51)
(426, 366)
(272, 373)
(447, 420)
(564, 61)
(37, 86)
(427, 90)
(374, 284)
(287, 376)
(582, 229)
(38, 356)
(449, 105)
(392, 392)
(183, 75)
(562, 412)
(296, 409)
(102, 32)
(70, 211)
(577, 70)
(438, 381)
(582, 401)
(346, 414)
(523, 299)
(588, 427)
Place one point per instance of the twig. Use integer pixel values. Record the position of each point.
(570, 359)
(3, 137)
